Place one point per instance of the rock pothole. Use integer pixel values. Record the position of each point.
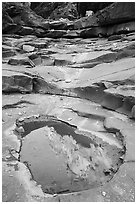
(62, 159)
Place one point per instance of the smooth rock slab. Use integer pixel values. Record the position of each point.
(115, 71)
(28, 48)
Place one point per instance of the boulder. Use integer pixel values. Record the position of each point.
(118, 12)
(28, 48)
(113, 124)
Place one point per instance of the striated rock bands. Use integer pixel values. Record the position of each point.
(116, 18)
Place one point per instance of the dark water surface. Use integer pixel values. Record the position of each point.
(47, 167)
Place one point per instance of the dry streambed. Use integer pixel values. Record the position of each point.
(72, 137)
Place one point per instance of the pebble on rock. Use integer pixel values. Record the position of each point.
(69, 119)
(9, 114)
(20, 113)
(28, 48)
(20, 129)
(68, 80)
(21, 119)
(104, 193)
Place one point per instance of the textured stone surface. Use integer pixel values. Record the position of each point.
(85, 22)
(117, 18)
(121, 28)
(118, 12)
(56, 10)
(21, 14)
(16, 82)
(55, 33)
(72, 80)
(93, 6)
(87, 83)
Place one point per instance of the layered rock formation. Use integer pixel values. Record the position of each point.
(68, 104)
(18, 18)
(82, 7)
(116, 18)
(116, 13)
(56, 10)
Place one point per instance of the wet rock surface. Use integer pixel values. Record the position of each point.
(68, 114)
(87, 160)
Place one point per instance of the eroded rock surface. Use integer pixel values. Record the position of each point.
(68, 114)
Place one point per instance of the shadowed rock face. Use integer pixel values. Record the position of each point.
(15, 15)
(20, 19)
(82, 7)
(55, 10)
(33, 5)
(119, 12)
